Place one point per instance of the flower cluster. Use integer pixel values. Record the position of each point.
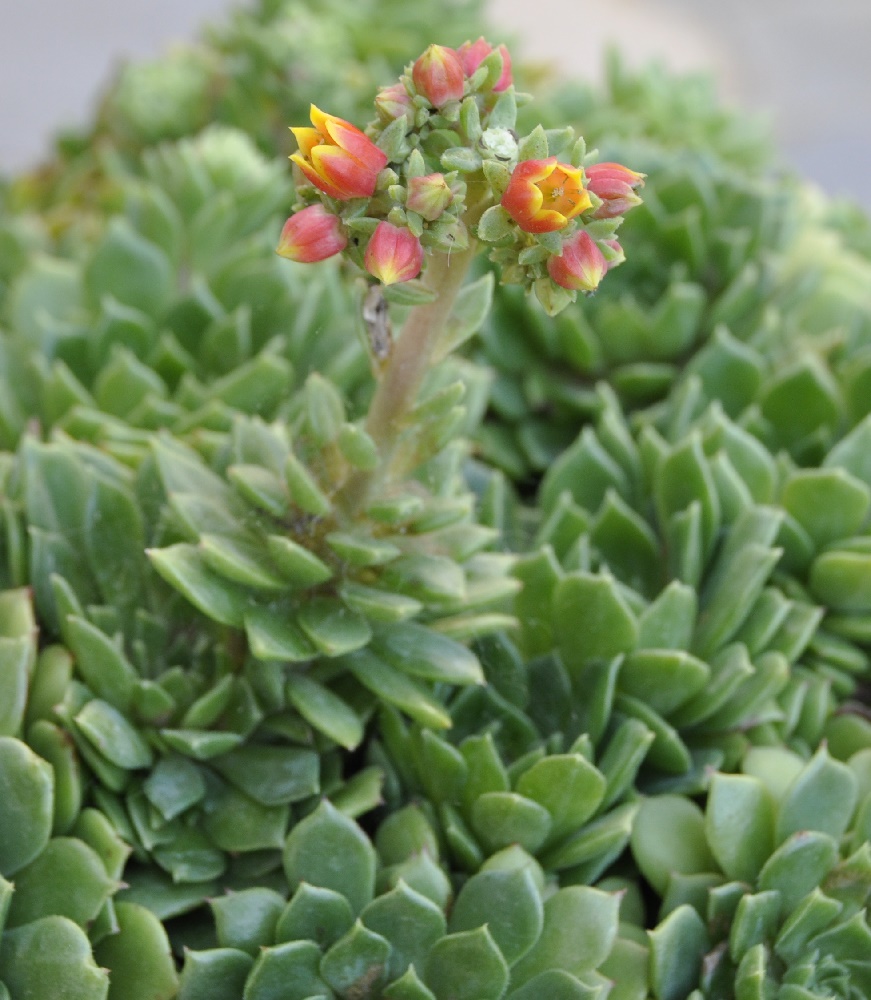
(442, 167)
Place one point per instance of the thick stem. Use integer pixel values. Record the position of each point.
(407, 365)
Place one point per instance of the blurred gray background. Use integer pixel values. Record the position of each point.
(806, 64)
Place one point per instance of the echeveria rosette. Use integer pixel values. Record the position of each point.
(388, 922)
(765, 892)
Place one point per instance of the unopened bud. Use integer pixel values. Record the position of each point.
(394, 102)
(311, 235)
(429, 196)
(581, 266)
(615, 185)
(438, 75)
(472, 54)
(393, 254)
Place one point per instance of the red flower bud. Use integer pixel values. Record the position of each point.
(615, 185)
(393, 254)
(337, 158)
(429, 196)
(543, 195)
(581, 266)
(311, 235)
(472, 54)
(438, 75)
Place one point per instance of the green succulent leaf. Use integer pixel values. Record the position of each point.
(329, 850)
(51, 957)
(466, 966)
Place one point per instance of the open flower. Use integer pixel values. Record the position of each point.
(543, 195)
(337, 158)
(581, 266)
(615, 185)
(311, 235)
(393, 254)
(438, 75)
(472, 54)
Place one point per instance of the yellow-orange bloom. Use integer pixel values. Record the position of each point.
(543, 195)
(337, 157)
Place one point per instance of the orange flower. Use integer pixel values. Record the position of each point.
(581, 266)
(543, 195)
(311, 235)
(615, 185)
(393, 254)
(337, 158)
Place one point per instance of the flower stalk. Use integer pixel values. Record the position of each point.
(439, 172)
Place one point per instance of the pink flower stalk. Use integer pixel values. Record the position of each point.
(472, 54)
(543, 195)
(429, 196)
(337, 158)
(311, 235)
(581, 266)
(438, 75)
(393, 254)
(615, 185)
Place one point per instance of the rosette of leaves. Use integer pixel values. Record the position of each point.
(261, 542)
(765, 892)
(177, 314)
(551, 803)
(341, 934)
(61, 929)
(689, 583)
(195, 751)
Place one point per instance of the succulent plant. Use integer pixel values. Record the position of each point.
(338, 934)
(765, 893)
(62, 932)
(556, 685)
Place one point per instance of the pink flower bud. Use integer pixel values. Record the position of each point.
(581, 266)
(394, 102)
(615, 185)
(618, 255)
(429, 196)
(472, 54)
(438, 75)
(337, 158)
(393, 254)
(311, 235)
(543, 195)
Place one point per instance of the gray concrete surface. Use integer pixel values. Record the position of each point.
(807, 64)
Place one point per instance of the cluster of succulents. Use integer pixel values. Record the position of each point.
(555, 685)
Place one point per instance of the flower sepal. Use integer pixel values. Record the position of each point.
(552, 297)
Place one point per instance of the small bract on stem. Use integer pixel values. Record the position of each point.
(411, 200)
